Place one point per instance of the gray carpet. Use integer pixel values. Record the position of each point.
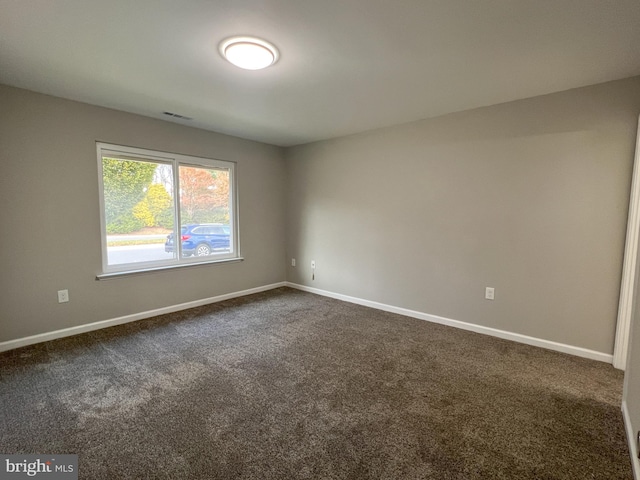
(290, 385)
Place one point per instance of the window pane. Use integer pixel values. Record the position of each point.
(138, 210)
(205, 200)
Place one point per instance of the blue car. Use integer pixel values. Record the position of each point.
(201, 239)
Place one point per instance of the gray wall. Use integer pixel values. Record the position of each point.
(529, 197)
(50, 217)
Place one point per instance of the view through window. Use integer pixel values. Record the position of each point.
(152, 199)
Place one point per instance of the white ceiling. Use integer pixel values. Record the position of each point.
(346, 65)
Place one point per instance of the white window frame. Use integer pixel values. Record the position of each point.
(176, 160)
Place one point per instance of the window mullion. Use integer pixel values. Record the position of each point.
(177, 228)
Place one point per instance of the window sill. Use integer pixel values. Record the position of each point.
(143, 271)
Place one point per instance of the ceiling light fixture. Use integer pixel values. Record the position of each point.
(249, 53)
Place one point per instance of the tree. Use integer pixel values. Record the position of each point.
(154, 210)
(125, 182)
(160, 204)
(204, 195)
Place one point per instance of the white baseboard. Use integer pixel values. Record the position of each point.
(631, 441)
(516, 337)
(67, 332)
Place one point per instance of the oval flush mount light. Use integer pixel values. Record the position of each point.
(249, 53)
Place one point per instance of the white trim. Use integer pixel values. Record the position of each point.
(516, 337)
(494, 332)
(89, 327)
(631, 441)
(630, 266)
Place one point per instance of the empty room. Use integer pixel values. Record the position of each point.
(349, 239)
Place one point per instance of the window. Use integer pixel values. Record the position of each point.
(161, 210)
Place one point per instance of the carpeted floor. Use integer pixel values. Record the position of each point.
(290, 385)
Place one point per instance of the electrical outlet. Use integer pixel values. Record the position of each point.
(313, 264)
(489, 293)
(293, 262)
(63, 296)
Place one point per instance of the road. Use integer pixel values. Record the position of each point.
(140, 253)
(137, 253)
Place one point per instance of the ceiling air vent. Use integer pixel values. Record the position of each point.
(177, 115)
